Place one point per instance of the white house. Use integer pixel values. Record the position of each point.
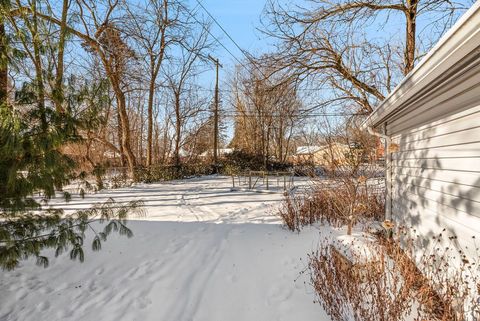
(431, 123)
(221, 152)
(325, 155)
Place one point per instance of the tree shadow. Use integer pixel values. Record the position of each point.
(436, 181)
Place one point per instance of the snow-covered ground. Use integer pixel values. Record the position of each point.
(202, 252)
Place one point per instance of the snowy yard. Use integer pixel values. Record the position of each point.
(202, 252)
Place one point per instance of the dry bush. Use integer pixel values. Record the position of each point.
(449, 284)
(358, 291)
(350, 189)
(336, 202)
(368, 281)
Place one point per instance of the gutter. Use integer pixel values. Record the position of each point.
(388, 171)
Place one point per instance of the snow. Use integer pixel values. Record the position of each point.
(202, 252)
(307, 150)
(220, 151)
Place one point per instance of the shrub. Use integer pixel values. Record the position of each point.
(171, 172)
(379, 280)
(346, 294)
(335, 202)
(239, 161)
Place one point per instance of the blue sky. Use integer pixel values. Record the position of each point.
(240, 19)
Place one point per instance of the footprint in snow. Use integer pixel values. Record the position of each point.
(92, 286)
(232, 278)
(46, 290)
(279, 293)
(99, 271)
(289, 262)
(45, 305)
(21, 294)
(143, 302)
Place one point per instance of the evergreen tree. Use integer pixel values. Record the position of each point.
(34, 129)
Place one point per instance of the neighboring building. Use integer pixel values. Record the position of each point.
(432, 125)
(305, 154)
(182, 154)
(221, 152)
(334, 154)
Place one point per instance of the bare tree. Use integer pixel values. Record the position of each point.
(326, 41)
(266, 111)
(192, 50)
(104, 39)
(154, 28)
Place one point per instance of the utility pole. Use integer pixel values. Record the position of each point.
(215, 114)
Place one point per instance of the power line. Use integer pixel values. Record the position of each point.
(310, 115)
(246, 54)
(209, 32)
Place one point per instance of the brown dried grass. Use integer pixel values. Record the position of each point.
(392, 286)
(338, 203)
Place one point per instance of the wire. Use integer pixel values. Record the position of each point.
(246, 54)
(210, 33)
(300, 115)
(224, 31)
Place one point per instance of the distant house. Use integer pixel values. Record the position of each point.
(221, 152)
(305, 154)
(431, 123)
(182, 154)
(325, 155)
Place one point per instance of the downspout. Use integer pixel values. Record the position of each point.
(388, 171)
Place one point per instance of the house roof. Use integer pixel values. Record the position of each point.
(220, 151)
(461, 40)
(306, 150)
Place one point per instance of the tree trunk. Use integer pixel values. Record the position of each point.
(123, 159)
(411, 16)
(38, 69)
(178, 129)
(140, 136)
(151, 92)
(58, 90)
(3, 66)
(155, 67)
(125, 142)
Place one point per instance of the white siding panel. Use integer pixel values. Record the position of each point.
(456, 126)
(447, 177)
(449, 188)
(470, 136)
(415, 204)
(461, 92)
(454, 119)
(428, 223)
(453, 151)
(436, 167)
(465, 164)
(429, 197)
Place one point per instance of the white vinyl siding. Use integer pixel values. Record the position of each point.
(436, 172)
